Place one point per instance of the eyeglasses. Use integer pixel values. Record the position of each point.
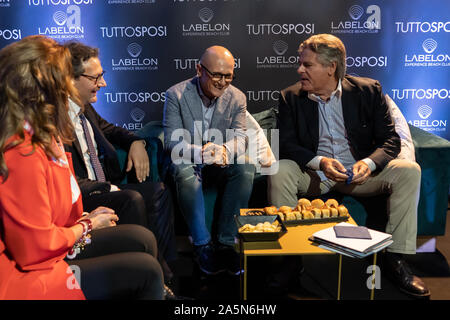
(218, 76)
(94, 78)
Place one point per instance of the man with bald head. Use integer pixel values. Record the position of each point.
(204, 132)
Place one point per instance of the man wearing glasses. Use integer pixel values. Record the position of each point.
(97, 167)
(208, 115)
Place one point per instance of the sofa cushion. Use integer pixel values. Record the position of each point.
(258, 151)
(267, 119)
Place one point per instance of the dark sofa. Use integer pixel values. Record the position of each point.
(432, 153)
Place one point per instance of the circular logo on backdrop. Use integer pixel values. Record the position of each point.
(60, 18)
(424, 111)
(429, 45)
(137, 114)
(355, 12)
(134, 49)
(205, 15)
(280, 47)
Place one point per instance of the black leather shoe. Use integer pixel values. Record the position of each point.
(396, 269)
(229, 259)
(205, 256)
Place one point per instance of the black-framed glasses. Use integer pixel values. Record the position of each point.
(94, 78)
(218, 76)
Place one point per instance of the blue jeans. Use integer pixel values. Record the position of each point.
(234, 183)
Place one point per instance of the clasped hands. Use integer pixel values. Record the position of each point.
(102, 217)
(214, 154)
(334, 170)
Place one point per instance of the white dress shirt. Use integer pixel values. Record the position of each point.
(74, 112)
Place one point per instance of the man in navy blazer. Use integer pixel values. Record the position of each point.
(204, 132)
(140, 201)
(336, 134)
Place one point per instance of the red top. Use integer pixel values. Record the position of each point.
(39, 201)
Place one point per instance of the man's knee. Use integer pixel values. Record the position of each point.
(409, 171)
(182, 172)
(134, 198)
(285, 170)
(246, 172)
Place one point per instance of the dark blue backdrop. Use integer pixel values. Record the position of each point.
(148, 45)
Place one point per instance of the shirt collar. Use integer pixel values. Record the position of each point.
(336, 93)
(74, 110)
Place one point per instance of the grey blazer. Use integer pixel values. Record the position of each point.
(183, 110)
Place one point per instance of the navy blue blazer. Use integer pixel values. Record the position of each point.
(106, 135)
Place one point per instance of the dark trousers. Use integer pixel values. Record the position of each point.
(120, 263)
(148, 204)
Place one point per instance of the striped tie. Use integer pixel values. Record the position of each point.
(91, 150)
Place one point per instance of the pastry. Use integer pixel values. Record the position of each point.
(317, 213)
(304, 202)
(334, 212)
(298, 215)
(331, 203)
(290, 216)
(281, 215)
(325, 212)
(307, 214)
(317, 203)
(285, 209)
(272, 210)
(343, 211)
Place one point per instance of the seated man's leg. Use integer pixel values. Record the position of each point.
(237, 183)
(284, 189)
(290, 182)
(188, 182)
(127, 204)
(190, 199)
(401, 179)
(160, 215)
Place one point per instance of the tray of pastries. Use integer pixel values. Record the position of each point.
(305, 212)
(260, 228)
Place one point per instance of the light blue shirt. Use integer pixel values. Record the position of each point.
(208, 107)
(333, 142)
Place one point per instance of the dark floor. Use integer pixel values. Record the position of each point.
(320, 277)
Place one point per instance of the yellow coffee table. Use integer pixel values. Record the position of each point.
(294, 242)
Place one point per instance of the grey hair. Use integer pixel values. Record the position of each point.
(329, 49)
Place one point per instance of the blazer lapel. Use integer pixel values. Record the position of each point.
(220, 113)
(76, 145)
(350, 107)
(192, 100)
(311, 113)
